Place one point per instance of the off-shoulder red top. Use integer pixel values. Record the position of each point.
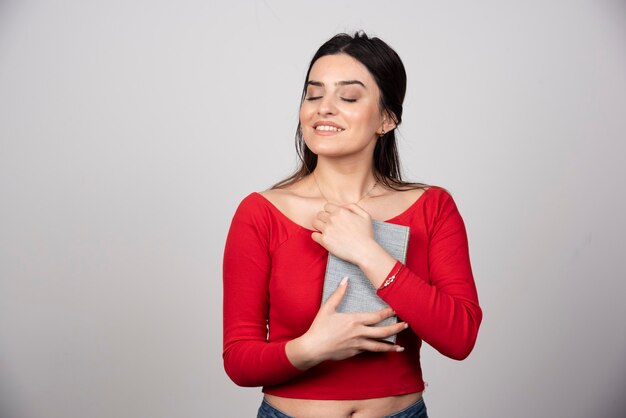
(273, 278)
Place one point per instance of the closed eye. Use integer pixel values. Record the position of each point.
(311, 98)
(345, 99)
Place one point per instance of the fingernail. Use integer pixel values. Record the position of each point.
(343, 281)
(399, 349)
(406, 325)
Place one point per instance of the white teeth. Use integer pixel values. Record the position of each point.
(328, 128)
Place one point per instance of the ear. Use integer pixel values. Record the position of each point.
(389, 122)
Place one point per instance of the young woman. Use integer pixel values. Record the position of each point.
(311, 360)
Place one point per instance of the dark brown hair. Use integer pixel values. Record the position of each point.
(387, 69)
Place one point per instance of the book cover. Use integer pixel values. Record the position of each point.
(361, 294)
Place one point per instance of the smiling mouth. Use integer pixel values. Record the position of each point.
(328, 128)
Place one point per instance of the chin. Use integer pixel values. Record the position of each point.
(323, 147)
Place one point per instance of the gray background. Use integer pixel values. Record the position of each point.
(130, 130)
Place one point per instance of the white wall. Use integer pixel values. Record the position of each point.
(130, 130)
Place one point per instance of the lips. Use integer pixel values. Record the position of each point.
(326, 126)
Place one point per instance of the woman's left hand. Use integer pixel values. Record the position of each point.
(346, 231)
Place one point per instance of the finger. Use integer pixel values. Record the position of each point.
(331, 207)
(371, 318)
(317, 237)
(382, 332)
(380, 347)
(319, 225)
(323, 216)
(335, 298)
(353, 207)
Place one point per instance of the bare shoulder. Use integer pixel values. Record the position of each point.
(390, 202)
(276, 195)
(411, 195)
(293, 202)
(289, 194)
(402, 197)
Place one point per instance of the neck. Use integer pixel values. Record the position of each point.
(343, 184)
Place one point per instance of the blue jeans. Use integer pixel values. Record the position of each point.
(415, 410)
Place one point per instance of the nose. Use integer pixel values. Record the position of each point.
(326, 105)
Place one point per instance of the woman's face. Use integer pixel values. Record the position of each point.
(340, 115)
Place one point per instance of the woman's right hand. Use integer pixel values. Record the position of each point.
(336, 336)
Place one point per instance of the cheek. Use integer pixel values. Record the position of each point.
(306, 118)
(365, 119)
(306, 111)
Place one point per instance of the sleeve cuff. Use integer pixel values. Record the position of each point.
(391, 276)
(286, 363)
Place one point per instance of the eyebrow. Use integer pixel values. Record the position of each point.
(338, 83)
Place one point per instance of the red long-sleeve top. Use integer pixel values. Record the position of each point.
(273, 279)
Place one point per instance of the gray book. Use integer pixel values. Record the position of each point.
(361, 294)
